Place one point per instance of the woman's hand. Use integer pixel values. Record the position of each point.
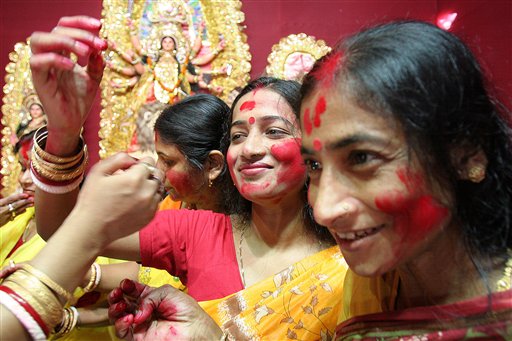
(120, 196)
(144, 313)
(13, 205)
(66, 88)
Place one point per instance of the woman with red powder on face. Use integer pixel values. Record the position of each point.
(215, 255)
(265, 164)
(410, 164)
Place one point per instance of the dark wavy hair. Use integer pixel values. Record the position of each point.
(430, 82)
(196, 126)
(290, 92)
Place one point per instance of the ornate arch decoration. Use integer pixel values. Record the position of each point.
(18, 96)
(125, 104)
(294, 56)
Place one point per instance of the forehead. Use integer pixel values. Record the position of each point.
(330, 116)
(170, 150)
(262, 102)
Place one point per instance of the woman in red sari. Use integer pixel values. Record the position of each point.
(410, 164)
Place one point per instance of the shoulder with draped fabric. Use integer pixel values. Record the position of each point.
(368, 314)
(302, 302)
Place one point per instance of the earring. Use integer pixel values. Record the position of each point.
(210, 183)
(476, 174)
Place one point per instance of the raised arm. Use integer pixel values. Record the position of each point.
(66, 90)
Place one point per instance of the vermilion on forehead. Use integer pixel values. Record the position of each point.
(317, 145)
(252, 120)
(325, 73)
(308, 126)
(319, 110)
(320, 107)
(248, 105)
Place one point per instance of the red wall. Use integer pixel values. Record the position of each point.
(485, 25)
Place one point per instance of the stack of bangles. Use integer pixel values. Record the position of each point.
(33, 297)
(55, 174)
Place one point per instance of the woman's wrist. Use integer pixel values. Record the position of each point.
(62, 144)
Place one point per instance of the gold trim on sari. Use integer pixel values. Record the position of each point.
(302, 302)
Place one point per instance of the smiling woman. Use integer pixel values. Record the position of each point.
(271, 248)
(410, 164)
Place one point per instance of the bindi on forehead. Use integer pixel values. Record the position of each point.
(317, 145)
(248, 105)
(252, 120)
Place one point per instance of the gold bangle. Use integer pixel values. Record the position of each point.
(40, 141)
(50, 283)
(59, 176)
(38, 295)
(94, 280)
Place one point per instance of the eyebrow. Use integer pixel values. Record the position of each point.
(267, 118)
(348, 141)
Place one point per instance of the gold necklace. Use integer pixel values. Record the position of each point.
(242, 272)
(505, 282)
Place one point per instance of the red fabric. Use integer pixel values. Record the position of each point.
(198, 247)
(19, 243)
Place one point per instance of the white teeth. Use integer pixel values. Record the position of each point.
(358, 234)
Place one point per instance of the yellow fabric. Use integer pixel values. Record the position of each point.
(368, 295)
(301, 302)
(169, 204)
(10, 233)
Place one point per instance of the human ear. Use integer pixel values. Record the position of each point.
(471, 163)
(214, 165)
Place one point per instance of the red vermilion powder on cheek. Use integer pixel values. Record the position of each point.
(288, 153)
(248, 105)
(415, 214)
(180, 181)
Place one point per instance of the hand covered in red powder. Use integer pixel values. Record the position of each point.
(141, 312)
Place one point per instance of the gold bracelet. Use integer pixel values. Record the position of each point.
(40, 137)
(64, 167)
(50, 283)
(59, 176)
(95, 276)
(37, 295)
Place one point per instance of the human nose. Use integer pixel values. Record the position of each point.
(332, 199)
(253, 146)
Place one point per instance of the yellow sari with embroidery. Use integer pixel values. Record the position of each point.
(302, 302)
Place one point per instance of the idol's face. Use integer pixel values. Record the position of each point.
(36, 111)
(264, 155)
(182, 181)
(168, 44)
(367, 186)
